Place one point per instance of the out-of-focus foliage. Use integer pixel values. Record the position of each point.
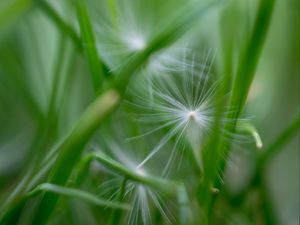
(134, 112)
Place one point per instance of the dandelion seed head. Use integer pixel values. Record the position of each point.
(192, 115)
(196, 117)
(182, 103)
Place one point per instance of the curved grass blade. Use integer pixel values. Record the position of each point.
(75, 193)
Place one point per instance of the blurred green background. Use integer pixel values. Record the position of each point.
(40, 67)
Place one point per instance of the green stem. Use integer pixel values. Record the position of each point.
(163, 185)
(166, 186)
(82, 170)
(61, 24)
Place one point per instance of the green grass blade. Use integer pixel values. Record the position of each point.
(72, 148)
(75, 193)
(246, 70)
(250, 57)
(215, 160)
(41, 97)
(89, 45)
